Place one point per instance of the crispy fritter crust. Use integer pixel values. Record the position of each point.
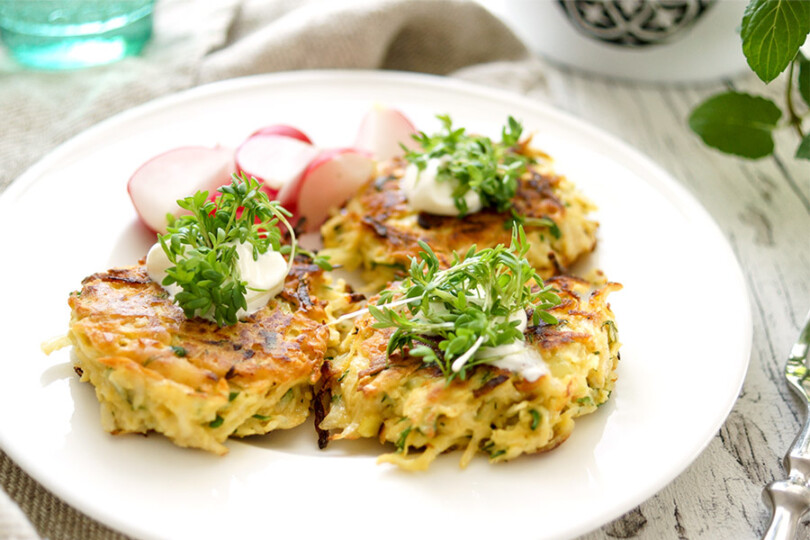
(402, 401)
(191, 380)
(377, 231)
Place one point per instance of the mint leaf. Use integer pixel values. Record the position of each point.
(772, 32)
(803, 151)
(737, 123)
(804, 78)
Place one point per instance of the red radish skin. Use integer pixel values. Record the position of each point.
(276, 160)
(381, 132)
(157, 184)
(288, 195)
(331, 179)
(283, 130)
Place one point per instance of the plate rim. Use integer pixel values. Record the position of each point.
(662, 178)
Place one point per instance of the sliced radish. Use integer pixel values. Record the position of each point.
(382, 131)
(157, 184)
(332, 178)
(277, 160)
(284, 131)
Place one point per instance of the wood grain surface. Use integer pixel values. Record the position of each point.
(763, 208)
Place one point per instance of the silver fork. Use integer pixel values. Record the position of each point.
(790, 499)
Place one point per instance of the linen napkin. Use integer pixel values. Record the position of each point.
(197, 42)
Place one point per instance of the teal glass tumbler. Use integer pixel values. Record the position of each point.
(68, 34)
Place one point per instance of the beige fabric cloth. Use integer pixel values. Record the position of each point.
(197, 42)
(203, 41)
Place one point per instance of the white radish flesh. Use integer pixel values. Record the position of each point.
(382, 131)
(275, 160)
(331, 179)
(158, 184)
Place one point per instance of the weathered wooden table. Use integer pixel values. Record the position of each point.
(763, 207)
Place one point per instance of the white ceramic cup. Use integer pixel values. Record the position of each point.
(643, 40)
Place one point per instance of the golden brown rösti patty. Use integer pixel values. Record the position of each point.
(189, 379)
(400, 400)
(377, 231)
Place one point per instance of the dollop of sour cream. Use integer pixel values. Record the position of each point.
(426, 194)
(264, 276)
(516, 356)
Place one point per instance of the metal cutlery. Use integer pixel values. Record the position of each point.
(789, 499)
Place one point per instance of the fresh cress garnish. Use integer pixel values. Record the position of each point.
(446, 316)
(321, 261)
(477, 163)
(520, 219)
(202, 246)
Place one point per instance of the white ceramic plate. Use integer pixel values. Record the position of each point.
(683, 317)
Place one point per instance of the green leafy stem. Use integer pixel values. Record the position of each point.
(742, 124)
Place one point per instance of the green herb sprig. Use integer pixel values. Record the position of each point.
(475, 162)
(202, 246)
(743, 124)
(445, 316)
(321, 261)
(520, 219)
